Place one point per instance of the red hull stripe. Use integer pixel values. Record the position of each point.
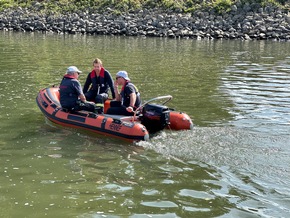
(89, 127)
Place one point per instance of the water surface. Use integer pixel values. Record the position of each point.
(235, 163)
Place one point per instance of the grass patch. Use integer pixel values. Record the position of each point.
(62, 6)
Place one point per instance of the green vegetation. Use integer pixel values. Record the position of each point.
(118, 6)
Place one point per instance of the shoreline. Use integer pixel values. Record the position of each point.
(245, 22)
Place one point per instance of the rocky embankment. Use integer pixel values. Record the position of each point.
(246, 22)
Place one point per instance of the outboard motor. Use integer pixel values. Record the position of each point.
(155, 117)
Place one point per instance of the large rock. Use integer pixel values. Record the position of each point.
(248, 21)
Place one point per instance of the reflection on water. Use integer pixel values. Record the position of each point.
(235, 163)
(260, 93)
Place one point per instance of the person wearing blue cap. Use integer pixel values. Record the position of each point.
(72, 97)
(128, 99)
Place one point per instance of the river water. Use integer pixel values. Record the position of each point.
(235, 163)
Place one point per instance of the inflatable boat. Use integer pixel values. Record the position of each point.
(149, 117)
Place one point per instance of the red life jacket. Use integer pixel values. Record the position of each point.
(69, 76)
(94, 79)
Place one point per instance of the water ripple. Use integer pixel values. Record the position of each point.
(260, 94)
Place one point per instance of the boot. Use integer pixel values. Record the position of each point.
(99, 110)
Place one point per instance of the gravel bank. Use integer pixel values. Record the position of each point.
(245, 22)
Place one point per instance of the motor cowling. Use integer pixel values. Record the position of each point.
(155, 117)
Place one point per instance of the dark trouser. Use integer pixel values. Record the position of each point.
(88, 106)
(99, 99)
(118, 109)
(90, 95)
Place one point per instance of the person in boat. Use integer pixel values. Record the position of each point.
(97, 85)
(128, 100)
(72, 97)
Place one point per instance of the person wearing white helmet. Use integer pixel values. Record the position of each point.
(128, 99)
(72, 97)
